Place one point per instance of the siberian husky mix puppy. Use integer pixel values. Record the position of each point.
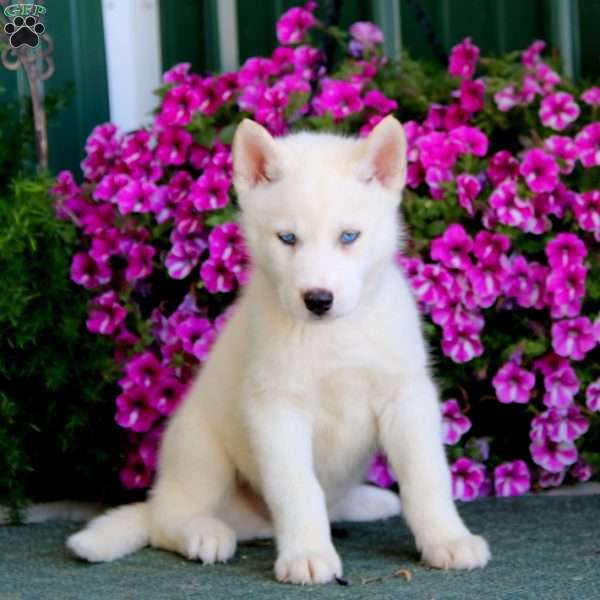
(322, 362)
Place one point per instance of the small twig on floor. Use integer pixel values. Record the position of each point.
(404, 573)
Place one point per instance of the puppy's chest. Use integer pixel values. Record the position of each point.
(344, 423)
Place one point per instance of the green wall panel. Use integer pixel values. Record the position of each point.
(589, 21)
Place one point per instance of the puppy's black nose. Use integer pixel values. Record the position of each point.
(318, 301)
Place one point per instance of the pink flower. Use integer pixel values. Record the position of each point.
(437, 150)
(166, 395)
(563, 150)
(531, 56)
(490, 247)
(566, 284)
(431, 285)
(512, 479)
(587, 142)
(179, 105)
(139, 261)
(591, 96)
(143, 370)
(582, 470)
(513, 384)
(365, 37)
(553, 456)
(565, 249)
(587, 211)
(173, 145)
(525, 282)
(558, 110)
(548, 480)
(539, 170)
(87, 272)
(379, 102)
(135, 474)
(197, 335)
(380, 473)
(561, 386)
(507, 98)
(467, 479)
(573, 338)
(472, 95)
(217, 276)
(106, 314)
(511, 209)
(134, 411)
(463, 59)
(565, 424)
(503, 165)
(339, 98)
(453, 247)
(210, 191)
(470, 140)
(293, 25)
(461, 342)
(592, 396)
(467, 188)
(454, 423)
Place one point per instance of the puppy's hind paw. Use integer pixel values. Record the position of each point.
(309, 567)
(209, 540)
(467, 552)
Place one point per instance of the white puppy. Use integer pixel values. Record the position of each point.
(323, 361)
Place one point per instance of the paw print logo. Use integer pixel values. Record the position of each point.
(24, 32)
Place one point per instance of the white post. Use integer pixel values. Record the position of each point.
(228, 34)
(133, 60)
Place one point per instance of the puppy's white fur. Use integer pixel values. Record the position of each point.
(289, 408)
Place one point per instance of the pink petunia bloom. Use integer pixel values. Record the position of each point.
(564, 250)
(293, 25)
(365, 36)
(139, 262)
(454, 423)
(216, 276)
(558, 110)
(467, 188)
(177, 73)
(519, 283)
(591, 96)
(380, 472)
(507, 98)
(148, 448)
(470, 140)
(472, 95)
(197, 335)
(468, 478)
(461, 342)
(431, 285)
(134, 410)
(503, 165)
(135, 474)
(453, 247)
(586, 209)
(173, 145)
(545, 77)
(339, 98)
(561, 386)
(509, 207)
(179, 105)
(463, 59)
(166, 395)
(512, 479)
(565, 424)
(89, 273)
(490, 247)
(105, 314)
(550, 480)
(436, 177)
(210, 191)
(587, 142)
(552, 456)
(592, 396)
(531, 56)
(566, 285)
(437, 149)
(539, 170)
(379, 102)
(573, 338)
(486, 280)
(582, 470)
(65, 186)
(143, 370)
(513, 383)
(563, 150)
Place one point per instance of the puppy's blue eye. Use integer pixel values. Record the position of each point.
(349, 237)
(289, 239)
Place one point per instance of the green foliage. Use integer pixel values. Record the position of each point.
(56, 424)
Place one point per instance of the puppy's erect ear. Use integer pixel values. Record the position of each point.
(255, 156)
(383, 155)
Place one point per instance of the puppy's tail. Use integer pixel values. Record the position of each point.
(115, 534)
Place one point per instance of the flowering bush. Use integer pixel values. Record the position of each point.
(502, 206)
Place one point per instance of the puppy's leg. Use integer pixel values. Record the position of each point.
(281, 437)
(195, 475)
(366, 503)
(411, 435)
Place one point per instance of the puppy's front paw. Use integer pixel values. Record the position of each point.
(208, 540)
(467, 552)
(308, 567)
